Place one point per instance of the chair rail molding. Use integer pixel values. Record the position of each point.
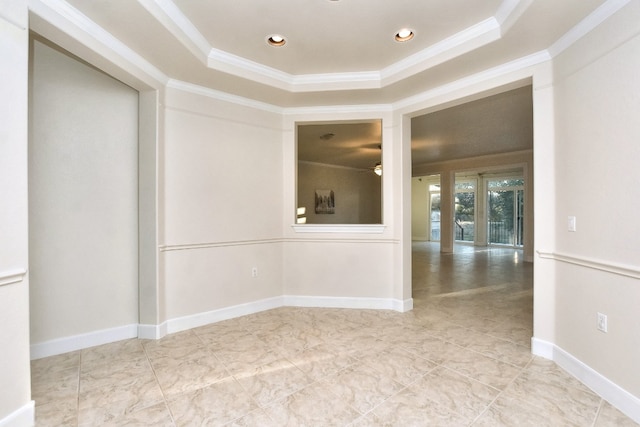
(595, 264)
(15, 275)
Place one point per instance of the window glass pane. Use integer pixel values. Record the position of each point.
(465, 185)
(465, 216)
(501, 217)
(502, 183)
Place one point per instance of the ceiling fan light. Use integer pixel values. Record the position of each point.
(377, 169)
(404, 35)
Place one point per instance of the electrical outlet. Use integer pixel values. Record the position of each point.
(602, 322)
(254, 272)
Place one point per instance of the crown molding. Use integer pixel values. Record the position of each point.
(233, 64)
(68, 20)
(460, 43)
(223, 96)
(487, 31)
(519, 65)
(509, 12)
(585, 26)
(247, 102)
(172, 19)
(60, 16)
(340, 109)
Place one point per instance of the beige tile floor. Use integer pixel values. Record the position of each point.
(460, 358)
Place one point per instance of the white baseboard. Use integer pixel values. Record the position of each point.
(21, 417)
(403, 305)
(201, 319)
(348, 302)
(542, 348)
(624, 401)
(152, 332)
(79, 342)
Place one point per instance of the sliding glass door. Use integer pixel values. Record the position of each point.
(505, 205)
(465, 210)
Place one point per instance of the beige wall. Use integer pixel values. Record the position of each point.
(83, 197)
(221, 212)
(596, 88)
(358, 194)
(15, 404)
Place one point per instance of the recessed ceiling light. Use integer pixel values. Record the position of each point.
(276, 40)
(404, 35)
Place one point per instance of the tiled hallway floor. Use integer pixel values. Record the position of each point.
(460, 358)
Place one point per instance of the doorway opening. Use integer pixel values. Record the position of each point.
(477, 214)
(505, 212)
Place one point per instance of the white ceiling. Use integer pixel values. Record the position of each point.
(338, 52)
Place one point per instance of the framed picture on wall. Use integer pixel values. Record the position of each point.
(325, 202)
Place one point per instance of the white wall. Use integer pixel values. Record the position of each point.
(83, 196)
(420, 207)
(221, 195)
(358, 194)
(16, 407)
(597, 104)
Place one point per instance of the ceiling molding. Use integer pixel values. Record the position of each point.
(172, 19)
(224, 61)
(520, 64)
(585, 26)
(68, 20)
(460, 43)
(59, 18)
(247, 102)
(223, 96)
(336, 81)
(341, 109)
(480, 34)
(509, 12)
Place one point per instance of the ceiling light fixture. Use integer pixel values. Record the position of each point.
(276, 40)
(327, 136)
(404, 35)
(377, 169)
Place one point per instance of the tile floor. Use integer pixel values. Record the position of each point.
(460, 358)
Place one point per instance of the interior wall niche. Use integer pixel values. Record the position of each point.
(339, 179)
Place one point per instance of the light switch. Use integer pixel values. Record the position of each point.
(571, 223)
